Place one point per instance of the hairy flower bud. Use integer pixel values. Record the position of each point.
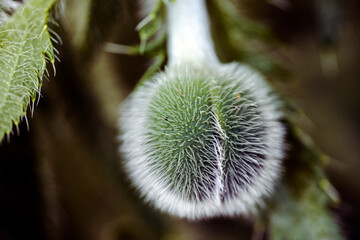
(203, 142)
(202, 138)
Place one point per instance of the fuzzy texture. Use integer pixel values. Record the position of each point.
(25, 48)
(203, 142)
(201, 139)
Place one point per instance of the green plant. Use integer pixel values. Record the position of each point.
(24, 46)
(230, 112)
(202, 138)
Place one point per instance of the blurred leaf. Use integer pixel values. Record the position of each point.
(299, 209)
(303, 215)
(241, 38)
(152, 32)
(24, 45)
(151, 26)
(157, 62)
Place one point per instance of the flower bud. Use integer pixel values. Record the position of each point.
(203, 142)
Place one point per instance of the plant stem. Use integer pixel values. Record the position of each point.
(189, 39)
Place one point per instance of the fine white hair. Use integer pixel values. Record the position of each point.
(141, 160)
(201, 139)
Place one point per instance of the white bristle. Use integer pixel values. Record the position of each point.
(202, 139)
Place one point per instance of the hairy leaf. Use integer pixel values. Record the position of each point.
(24, 45)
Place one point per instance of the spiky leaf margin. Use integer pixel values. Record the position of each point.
(24, 44)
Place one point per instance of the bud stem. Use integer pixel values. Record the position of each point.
(189, 39)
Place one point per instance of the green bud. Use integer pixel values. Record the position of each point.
(203, 142)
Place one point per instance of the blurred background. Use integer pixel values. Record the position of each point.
(61, 177)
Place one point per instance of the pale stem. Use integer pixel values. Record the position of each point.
(189, 38)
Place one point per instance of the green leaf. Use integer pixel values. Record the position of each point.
(303, 215)
(24, 44)
(151, 26)
(300, 207)
(152, 33)
(243, 38)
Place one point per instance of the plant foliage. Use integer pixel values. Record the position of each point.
(25, 46)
